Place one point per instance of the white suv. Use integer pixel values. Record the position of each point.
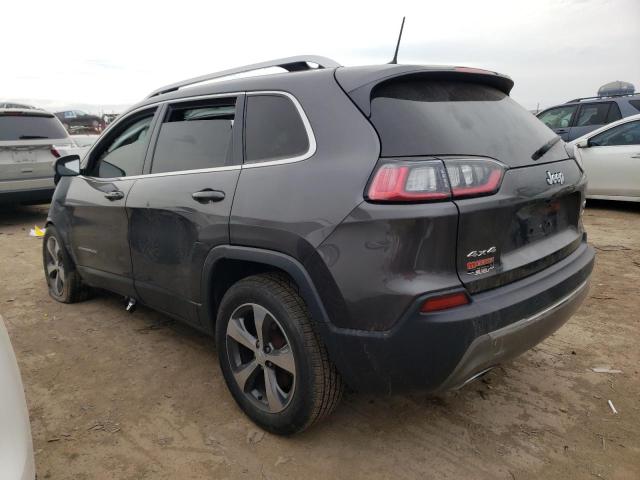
(30, 142)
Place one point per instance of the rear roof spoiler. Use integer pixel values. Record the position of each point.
(359, 82)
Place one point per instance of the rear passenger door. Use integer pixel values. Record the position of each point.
(179, 209)
(593, 115)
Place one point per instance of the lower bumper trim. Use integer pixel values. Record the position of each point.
(501, 345)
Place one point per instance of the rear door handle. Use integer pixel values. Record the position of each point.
(114, 195)
(208, 195)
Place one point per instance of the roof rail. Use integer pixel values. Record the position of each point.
(601, 97)
(291, 64)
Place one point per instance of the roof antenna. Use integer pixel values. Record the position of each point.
(395, 55)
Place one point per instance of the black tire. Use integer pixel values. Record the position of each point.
(61, 269)
(316, 387)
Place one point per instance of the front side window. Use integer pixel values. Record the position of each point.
(195, 136)
(274, 129)
(558, 117)
(593, 114)
(123, 154)
(625, 134)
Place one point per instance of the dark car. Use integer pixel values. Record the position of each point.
(582, 115)
(77, 121)
(390, 227)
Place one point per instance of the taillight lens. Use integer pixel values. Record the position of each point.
(428, 180)
(55, 152)
(472, 177)
(409, 182)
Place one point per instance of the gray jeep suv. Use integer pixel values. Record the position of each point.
(390, 227)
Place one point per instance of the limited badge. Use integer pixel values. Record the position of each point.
(483, 265)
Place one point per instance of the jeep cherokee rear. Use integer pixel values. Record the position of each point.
(384, 226)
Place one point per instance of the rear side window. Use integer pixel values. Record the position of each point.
(30, 127)
(592, 114)
(194, 137)
(447, 117)
(614, 113)
(635, 104)
(274, 129)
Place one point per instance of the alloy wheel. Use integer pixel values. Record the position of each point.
(55, 266)
(261, 357)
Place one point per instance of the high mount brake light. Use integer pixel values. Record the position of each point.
(428, 180)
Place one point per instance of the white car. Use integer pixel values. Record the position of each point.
(30, 142)
(610, 157)
(16, 447)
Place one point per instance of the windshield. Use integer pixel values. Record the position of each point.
(433, 117)
(24, 127)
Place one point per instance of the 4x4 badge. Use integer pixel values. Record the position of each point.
(555, 177)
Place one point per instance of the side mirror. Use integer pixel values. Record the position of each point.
(584, 143)
(67, 166)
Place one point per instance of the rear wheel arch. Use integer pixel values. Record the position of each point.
(226, 265)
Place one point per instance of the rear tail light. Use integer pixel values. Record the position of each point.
(444, 302)
(55, 152)
(471, 177)
(428, 180)
(409, 182)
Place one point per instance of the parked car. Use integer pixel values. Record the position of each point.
(30, 142)
(583, 115)
(611, 158)
(391, 227)
(16, 447)
(16, 105)
(77, 121)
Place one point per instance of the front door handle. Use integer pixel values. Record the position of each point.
(208, 195)
(637, 155)
(114, 195)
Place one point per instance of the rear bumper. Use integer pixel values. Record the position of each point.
(444, 350)
(27, 192)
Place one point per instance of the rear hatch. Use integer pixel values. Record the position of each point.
(28, 141)
(531, 218)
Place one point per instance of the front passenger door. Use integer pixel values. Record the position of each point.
(96, 202)
(612, 161)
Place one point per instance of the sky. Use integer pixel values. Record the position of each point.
(106, 55)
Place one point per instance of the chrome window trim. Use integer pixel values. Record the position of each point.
(298, 158)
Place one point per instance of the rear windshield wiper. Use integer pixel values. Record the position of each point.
(30, 137)
(545, 148)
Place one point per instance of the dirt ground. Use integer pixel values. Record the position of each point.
(120, 396)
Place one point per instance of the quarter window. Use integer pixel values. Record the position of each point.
(195, 136)
(558, 117)
(625, 134)
(274, 129)
(123, 155)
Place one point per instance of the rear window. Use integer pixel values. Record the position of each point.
(635, 104)
(30, 127)
(422, 117)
